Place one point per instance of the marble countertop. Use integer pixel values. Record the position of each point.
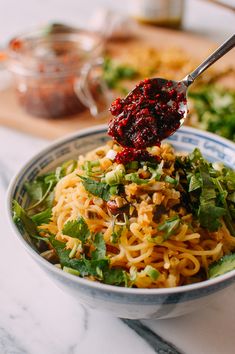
(38, 318)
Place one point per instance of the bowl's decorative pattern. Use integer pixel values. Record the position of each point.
(129, 303)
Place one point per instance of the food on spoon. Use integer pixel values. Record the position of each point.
(149, 114)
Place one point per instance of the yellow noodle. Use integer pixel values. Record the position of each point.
(140, 243)
(214, 251)
(194, 261)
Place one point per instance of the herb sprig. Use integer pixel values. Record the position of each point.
(209, 192)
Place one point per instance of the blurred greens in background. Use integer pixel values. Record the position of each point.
(213, 109)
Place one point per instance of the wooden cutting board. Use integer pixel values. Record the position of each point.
(12, 115)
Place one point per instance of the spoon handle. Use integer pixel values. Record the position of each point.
(216, 55)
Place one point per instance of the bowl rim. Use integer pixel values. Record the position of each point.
(95, 284)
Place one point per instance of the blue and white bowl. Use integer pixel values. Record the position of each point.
(120, 301)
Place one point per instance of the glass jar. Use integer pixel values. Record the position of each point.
(166, 13)
(46, 68)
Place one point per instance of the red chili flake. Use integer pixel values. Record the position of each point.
(132, 154)
(145, 117)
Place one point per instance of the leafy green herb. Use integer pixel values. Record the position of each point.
(96, 188)
(116, 234)
(194, 182)
(22, 220)
(210, 215)
(114, 276)
(170, 226)
(208, 192)
(100, 246)
(230, 180)
(77, 229)
(40, 191)
(223, 195)
(61, 251)
(196, 157)
(36, 189)
(43, 217)
(83, 266)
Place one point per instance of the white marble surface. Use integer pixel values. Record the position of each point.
(35, 316)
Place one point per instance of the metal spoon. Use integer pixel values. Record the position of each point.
(182, 86)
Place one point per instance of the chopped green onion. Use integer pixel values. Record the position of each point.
(99, 272)
(71, 271)
(133, 165)
(134, 177)
(115, 176)
(152, 272)
(88, 165)
(170, 180)
(157, 172)
(113, 190)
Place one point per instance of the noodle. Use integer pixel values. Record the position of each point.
(132, 234)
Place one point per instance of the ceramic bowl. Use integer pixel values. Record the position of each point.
(120, 301)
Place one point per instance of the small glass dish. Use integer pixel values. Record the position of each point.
(46, 67)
